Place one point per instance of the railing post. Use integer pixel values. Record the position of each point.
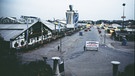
(56, 71)
(115, 67)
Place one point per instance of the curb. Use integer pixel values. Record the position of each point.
(110, 46)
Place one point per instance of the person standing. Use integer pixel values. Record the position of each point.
(58, 47)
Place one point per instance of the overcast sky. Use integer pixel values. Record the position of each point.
(87, 9)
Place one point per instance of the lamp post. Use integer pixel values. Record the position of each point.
(104, 37)
(123, 15)
(59, 25)
(27, 32)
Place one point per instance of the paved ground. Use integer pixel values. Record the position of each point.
(50, 50)
(117, 45)
(80, 56)
(103, 55)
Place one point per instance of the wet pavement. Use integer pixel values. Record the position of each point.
(83, 63)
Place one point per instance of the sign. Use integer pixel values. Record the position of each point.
(92, 44)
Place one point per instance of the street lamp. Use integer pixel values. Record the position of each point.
(59, 25)
(27, 32)
(123, 14)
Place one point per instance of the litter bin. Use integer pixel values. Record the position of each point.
(124, 41)
(80, 33)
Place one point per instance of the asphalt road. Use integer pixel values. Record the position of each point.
(79, 62)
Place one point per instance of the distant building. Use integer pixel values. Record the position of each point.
(9, 20)
(28, 19)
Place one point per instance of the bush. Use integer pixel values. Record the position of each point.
(128, 71)
(10, 66)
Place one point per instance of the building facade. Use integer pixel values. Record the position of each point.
(25, 35)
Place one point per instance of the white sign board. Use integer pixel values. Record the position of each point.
(92, 44)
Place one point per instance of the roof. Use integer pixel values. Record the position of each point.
(64, 21)
(12, 26)
(9, 31)
(11, 18)
(50, 25)
(129, 29)
(7, 35)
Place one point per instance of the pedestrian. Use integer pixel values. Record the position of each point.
(124, 41)
(99, 31)
(84, 48)
(58, 47)
(45, 59)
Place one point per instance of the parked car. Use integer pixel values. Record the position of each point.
(110, 29)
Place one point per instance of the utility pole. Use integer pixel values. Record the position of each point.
(104, 37)
(27, 32)
(60, 45)
(60, 38)
(123, 15)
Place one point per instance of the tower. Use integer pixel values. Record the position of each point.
(71, 18)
